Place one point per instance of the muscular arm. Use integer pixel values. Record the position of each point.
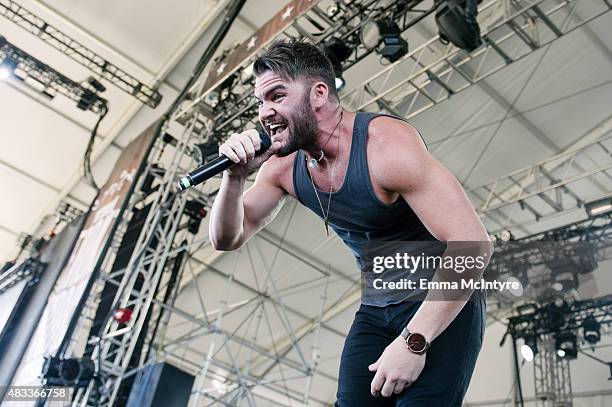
(403, 166)
(441, 204)
(235, 216)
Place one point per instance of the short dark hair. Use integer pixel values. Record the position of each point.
(293, 59)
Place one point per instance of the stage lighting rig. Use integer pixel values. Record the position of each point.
(598, 207)
(384, 35)
(7, 68)
(529, 348)
(456, 20)
(591, 330)
(337, 52)
(204, 152)
(41, 77)
(195, 211)
(566, 345)
(72, 372)
(333, 10)
(13, 273)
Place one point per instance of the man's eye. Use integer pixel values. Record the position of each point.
(259, 103)
(277, 97)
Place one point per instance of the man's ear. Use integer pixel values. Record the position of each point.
(319, 94)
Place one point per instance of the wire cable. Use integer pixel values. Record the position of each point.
(87, 172)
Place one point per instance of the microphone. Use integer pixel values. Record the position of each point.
(220, 164)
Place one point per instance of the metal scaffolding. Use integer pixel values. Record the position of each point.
(436, 75)
(546, 189)
(255, 348)
(551, 376)
(78, 52)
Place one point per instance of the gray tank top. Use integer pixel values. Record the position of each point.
(356, 215)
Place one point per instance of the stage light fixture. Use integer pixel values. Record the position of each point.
(387, 32)
(72, 372)
(527, 353)
(204, 152)
(333, 9)
(506, 236)
(565, 281)
(7, 68)
(598, 207)
(337, 52)
(566, 345)
(340, 83)
(87, 100)
(96, 84)
(591, 330)
(529, 349)
(195, 211)
(456, 20)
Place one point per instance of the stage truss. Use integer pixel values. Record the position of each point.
(263, 357)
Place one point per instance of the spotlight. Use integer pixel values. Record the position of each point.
(340, 83)
(506, 236)
(456, 20)
(591, 330)
(337, 52)
(224, 88)
(7, 68)
(598, 207)
(73, 372)
(527, 353)
(566, 346)
(529, 349)
(587, 262)
(565, 281)
(96, 84)
(333, 9)
(87, 100)
(224, 93)
(386, 31)
(212, 98)
(204, 152)
(195, 212)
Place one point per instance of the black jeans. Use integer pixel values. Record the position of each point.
(449, 362)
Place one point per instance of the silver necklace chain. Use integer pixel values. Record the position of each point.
(332, 177)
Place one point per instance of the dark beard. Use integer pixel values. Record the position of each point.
(302, 128)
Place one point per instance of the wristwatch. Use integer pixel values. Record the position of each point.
(415, 342)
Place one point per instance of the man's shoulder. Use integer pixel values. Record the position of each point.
(388, 131)
(391, 139)
(395, 151)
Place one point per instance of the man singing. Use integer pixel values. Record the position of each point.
(370, 178)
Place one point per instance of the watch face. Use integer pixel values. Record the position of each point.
(416, 342)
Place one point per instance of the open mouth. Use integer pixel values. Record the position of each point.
(276, 128)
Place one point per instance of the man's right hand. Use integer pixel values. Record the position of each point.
(241, 147)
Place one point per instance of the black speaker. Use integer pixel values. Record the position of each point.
(161, 385)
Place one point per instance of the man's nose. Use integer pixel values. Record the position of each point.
(266, 112)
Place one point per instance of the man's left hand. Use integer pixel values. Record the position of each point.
(396, 369)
